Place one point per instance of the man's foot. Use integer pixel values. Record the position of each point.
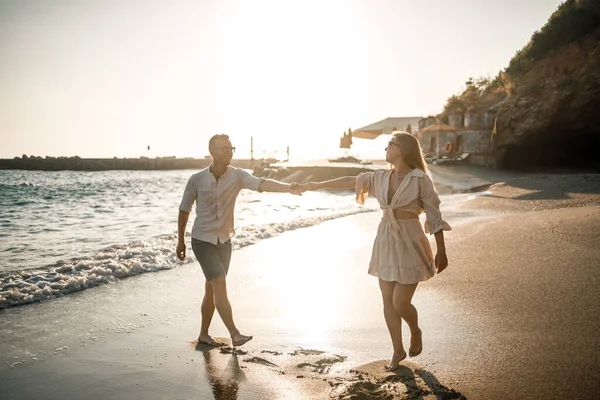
(209, 340)
(396, 359)
(416, 343)
(240, 340)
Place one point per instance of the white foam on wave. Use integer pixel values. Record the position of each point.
(122, 261)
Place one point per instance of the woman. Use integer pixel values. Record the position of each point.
(401, 255)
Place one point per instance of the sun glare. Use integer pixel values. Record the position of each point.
(290, 79)
(306, 295)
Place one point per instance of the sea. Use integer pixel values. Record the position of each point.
(66, 231)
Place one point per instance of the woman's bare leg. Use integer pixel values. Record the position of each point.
(394, 323)
(402, 298)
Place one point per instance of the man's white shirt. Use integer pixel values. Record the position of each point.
(215, 201)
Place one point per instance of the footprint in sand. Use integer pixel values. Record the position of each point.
(322, 366)
(231, 350)
(275, 353)
(404, 382)
(262, 361)
(306, 352)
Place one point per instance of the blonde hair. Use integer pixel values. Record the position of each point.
(412, 154)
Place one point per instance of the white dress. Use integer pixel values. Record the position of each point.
(401, 251)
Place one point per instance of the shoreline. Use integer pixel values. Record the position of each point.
(495, 323)
(75, 274)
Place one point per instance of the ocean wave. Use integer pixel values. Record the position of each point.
(125, 260)
(16, 185)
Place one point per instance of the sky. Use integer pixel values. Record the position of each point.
(106, 78)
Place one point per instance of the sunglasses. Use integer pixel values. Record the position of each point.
(391, 144)
(225, 148)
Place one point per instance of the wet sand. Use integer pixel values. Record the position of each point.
(514, 316)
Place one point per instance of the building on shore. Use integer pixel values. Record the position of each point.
(467, 136)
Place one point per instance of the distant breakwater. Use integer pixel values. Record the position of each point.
(34, 163)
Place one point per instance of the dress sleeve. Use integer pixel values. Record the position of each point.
(431, 204)
(364, 186)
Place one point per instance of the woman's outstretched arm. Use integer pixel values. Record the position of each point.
(343, 183)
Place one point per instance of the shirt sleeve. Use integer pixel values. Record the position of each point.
(364, 186)
(431, 204)
(248, 181)
(189, 196)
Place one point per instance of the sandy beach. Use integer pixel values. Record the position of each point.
(514, 316)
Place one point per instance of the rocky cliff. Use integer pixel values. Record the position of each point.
(552, 120)
(547, 101)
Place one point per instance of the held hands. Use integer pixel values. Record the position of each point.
(180, 251)
(297, 189)
(441, 261)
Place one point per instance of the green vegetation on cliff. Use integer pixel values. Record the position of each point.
(572, 22)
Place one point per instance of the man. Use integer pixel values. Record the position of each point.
(215, 189)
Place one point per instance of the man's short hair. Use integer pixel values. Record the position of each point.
(213, 139)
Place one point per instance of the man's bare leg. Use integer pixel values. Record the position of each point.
(394, 324)
(223, 306)
(403, 295)
(207, 310)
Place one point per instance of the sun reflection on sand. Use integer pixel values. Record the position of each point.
(310, 295)
(305, 306)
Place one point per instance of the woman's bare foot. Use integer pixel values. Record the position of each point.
(240, 340)
(209, 340)
(395, 363)
(416, 343)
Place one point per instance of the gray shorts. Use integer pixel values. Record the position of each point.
(214, 259)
